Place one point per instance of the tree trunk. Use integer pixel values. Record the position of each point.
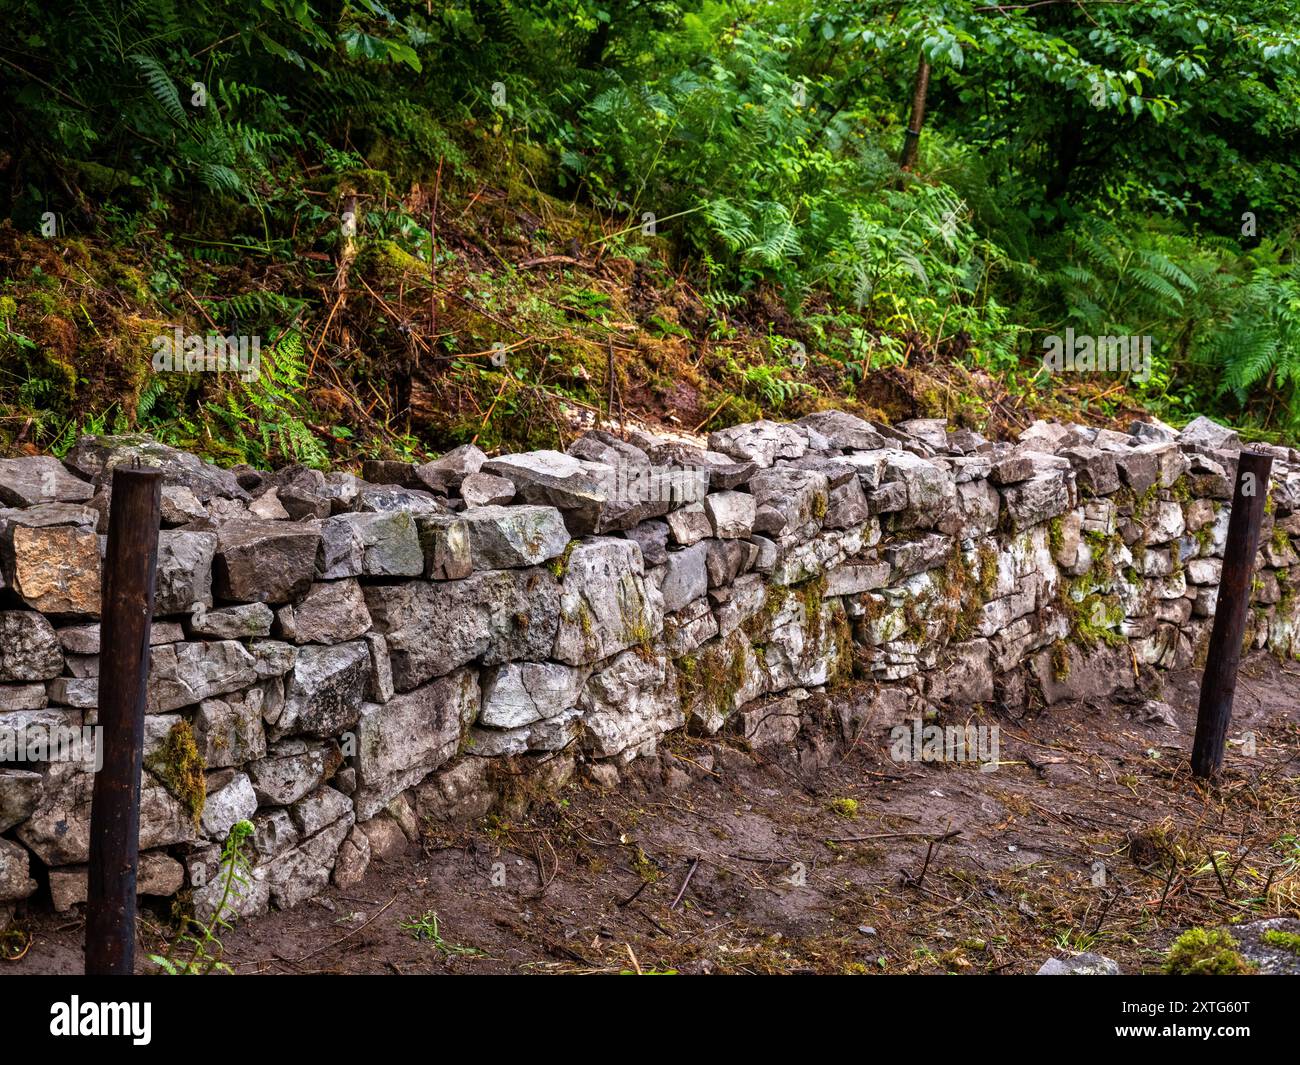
(912, 136)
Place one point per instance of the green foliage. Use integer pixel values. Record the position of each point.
(1205, 952)
(1105, 167)
(425, 927)
(199, 938)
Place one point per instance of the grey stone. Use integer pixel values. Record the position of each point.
(800, 639)
(1204, 432)
(58, 830)
(510, 537)
(29, 649)
(629, 704)
(520, 693)
(731, 514)
(486, 489)
(179, 506)
(844, 431)
(1040, 498)
(444, 539)
(930, 431)
(265, 562)
(685, 577)
(229, 731)
(652, 538)
(552, 478)
(597, 445)
(231, 804)
(94, 457)
(319, 810)
(889, 498)
(930, 492)
(292, 769)
(1153, 431)
(789, 500)
(605, 603)
(735, 605)
(342, 490)
(725, 560)
(304, 871)
(15, 883)
(770, 723)
(384, 544)
(499, 615)
(379, 689)
(847, 506)
(854, 577)
(1095, 471)
(761, 442)
(186, 673)
(1139, 469)
(689, 627)
(393, 499)
(20, 792)
(81, 692)
(34, 479)
(400, 742)
(917, 555)
(1163, 521)
(450, 471)
(718, 678)
(184, 575)
(267, 506)
(1270, 959)
(331, 612)
(1013, 468)
(353, 859)
(272, 658)
(23, 697)
(325, 690)
(231, 622)
(1087, 964)
(689, 524)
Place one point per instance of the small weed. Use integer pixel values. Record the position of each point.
(425, 927)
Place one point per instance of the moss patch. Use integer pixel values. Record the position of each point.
(1206, 952)
(179, 764)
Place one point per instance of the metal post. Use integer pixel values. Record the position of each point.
(126, 618)
(1235, 587)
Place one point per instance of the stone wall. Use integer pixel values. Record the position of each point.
(335, 658)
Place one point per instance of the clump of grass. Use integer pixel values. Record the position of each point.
(425, 928)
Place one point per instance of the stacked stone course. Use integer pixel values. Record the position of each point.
(335, 655)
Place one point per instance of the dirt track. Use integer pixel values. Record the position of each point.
(789, 877)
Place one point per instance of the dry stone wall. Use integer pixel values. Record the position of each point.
(335, 657)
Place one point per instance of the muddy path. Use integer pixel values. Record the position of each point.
(1088, 835)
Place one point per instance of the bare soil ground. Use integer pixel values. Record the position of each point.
(718, 860)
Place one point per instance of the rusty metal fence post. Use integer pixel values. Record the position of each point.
(126, 619)
(1219, 683)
